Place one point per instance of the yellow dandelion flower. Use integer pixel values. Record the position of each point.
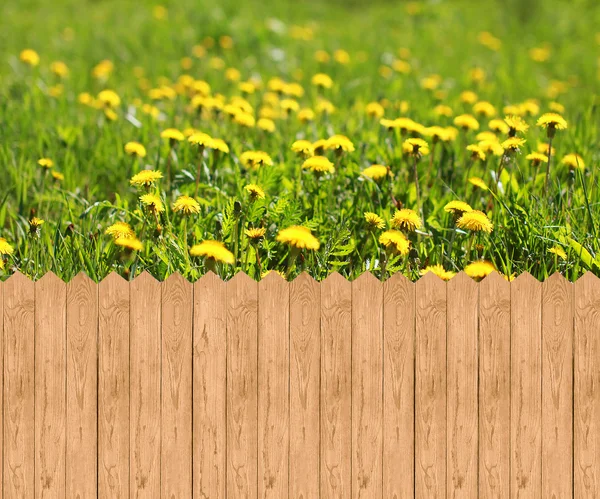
(491, 147)
(466, 122)
(499, 126)
(145, 178)
(376, 172)
(298, 237)
(266, 125)
(478, 182)
(513, 144)
(537, 158)
(255, 191)
(135, 149)
(475, 221)
(109, 99)
(59, 68)
(558, 251)
(552, 122)
(374, 220)
(325, 107)
(436, 133)
(214, 250)
(457, 208)
(255, 159)
(573, 161)
(374, 110)
(57, 176)
(516, 124)
(556, 107)
(406, 219)
(478, 270)
(484, 108)
(439, 271)
(46, 163)
(322, 80)
(395, 241)
(186, 205)
(130, 243)
(303, 147)
(120, 230)
(172, 134)
(305, 115)
(200, 139)
(245, 120)
(542, 147)
(319, 164)
(153, 202)
(443, 110)
(477, 153)
(29, 57)
(256, 233)
(339, 143)
(415, 147)
(5, 248)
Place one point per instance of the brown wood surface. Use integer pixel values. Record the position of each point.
(586, 383)
(82, 383)
(336, 388)
(273, 386)
(176, 391)
(210, 387)
(50, 386)
(113, 387)
(462, 387)
(526, 387)
(19, 388)
(305, 377)
(145, 387)
(367, 387)
(398, 387)
(242, 379)
(557, 387)
(494, 387)
(430, 387)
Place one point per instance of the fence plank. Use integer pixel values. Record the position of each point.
(336, 387)
(430, 387)
(398, 387)
(113, 387)
(82, 381)
(462, 387)
(50, 386)
(19, 355)
(526, 384)
(273, 386)
(210, 387)
(242, 379)
(145, 383)
(587, 387)
(305, 375)
(176, 393)
(494, 387)
(367, 387)
(557, 387)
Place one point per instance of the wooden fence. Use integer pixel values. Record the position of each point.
(302, 390)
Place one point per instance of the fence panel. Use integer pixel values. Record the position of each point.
(303, 389)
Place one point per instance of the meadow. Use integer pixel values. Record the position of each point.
(391, 137)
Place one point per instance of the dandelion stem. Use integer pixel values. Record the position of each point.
(549, 154)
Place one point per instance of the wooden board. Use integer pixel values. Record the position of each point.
(494, 387)
(430, 387)
(82, 383)
(367, 387)
(336, 388)
(398, 387)
(526, 387)
(210, 387)
(113, 387)
(273, 386)
(50, 386)
(586, 350)
(242, 379)
(176, 392)
(557, 387)
(19, 415)
(462, 387)
(145, 386)
(305, 376)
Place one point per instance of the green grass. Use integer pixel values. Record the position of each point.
(87, 148)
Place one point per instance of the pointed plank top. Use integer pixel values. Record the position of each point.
(81, 278)
(335, 277)
(209, 278)
(305, 278)
(398, 278)
(272, 277)
(588, 279)
(241, 278)
(556, 278)
(462, 279)
(18, 277)
(114, 278)
(524, 278)
(145, 278)
(177, 278)
(50, 278)
(366, 278)
(430, 279)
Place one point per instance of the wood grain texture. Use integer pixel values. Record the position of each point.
(367, 387)
(494, 387)
(273, 386)
(305, 376)
(336, 388)
(557, 387)
(430, 387)
(587, 388)
(176, 393)
(50, 386)
(242, 379)
(462, 387)
(19, 355)
(145, 386)
(526, 387)
(82, 393)
(398, 387)
(210, 387)
(113, 387)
